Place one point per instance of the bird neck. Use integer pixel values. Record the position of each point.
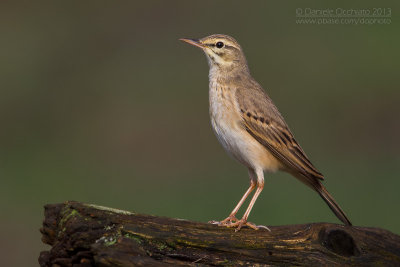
(226, 73)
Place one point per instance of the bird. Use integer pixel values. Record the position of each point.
(251, 129)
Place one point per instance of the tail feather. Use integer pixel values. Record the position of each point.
(315, 183)
(332, 203)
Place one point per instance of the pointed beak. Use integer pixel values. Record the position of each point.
(194, 42)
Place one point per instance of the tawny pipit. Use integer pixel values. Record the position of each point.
(250, 127)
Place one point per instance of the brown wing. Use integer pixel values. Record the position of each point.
(263, 121)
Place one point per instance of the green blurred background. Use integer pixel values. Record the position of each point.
(100, 102)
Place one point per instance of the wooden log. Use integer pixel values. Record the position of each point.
(88, 235)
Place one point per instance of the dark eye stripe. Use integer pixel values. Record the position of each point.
(225, 46)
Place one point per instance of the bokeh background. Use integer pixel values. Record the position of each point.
(100, 102)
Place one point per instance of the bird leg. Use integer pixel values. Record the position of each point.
(244, 221)
(256, 178)
(231, 218)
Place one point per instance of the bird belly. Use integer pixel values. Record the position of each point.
(227, 126)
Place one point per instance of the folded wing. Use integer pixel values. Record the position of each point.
(267, 126)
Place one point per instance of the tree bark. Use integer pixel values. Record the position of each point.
(88, 235)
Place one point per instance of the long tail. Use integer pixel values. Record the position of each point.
(331, 203)
(315, 183)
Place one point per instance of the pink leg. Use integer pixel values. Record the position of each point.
(259, 174)
(244, 221)
(260, 187)
(251, 188)
(231, 216)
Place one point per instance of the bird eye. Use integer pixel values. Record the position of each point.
(219, 44)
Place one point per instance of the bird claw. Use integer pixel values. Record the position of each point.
(263, 227)
(229, 220)
(232, 221)
(239, 224)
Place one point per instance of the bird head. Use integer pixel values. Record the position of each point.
(222, 51)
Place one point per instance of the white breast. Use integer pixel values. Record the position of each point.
(226, 123)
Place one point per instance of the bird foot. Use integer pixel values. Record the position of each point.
(229, 220)
(242, 222)
(232, 221)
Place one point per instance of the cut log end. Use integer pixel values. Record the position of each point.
(87, 235)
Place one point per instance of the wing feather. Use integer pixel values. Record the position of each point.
(263, 122)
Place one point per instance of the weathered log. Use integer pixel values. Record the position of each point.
(88, 235)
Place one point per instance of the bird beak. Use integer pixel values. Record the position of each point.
(194, 42)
